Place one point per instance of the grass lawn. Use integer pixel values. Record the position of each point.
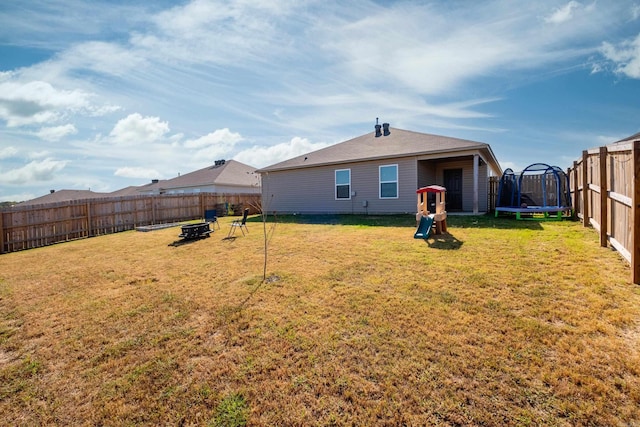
(498, 323)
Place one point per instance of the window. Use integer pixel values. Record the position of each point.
(343, 184)
(388, 182)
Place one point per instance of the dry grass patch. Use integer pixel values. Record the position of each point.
(498, 323)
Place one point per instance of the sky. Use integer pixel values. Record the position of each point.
(102, 95)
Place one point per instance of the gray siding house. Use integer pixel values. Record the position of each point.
(225, 176)
(379, 173)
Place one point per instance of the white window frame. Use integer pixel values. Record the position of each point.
(396, 182)
(335, 186)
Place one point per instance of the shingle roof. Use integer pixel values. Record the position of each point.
(132, 190)
(399, 143)
(630, 138)
(231, 172)
(63, 196)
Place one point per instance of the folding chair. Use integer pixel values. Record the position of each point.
(211, 217)
(239, 223)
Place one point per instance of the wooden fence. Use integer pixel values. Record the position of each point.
(27, 227)
(494, 183)
(605, 187)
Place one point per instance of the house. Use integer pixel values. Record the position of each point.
(379, 172)
(224, 176)
(63, 196)
(631, 138)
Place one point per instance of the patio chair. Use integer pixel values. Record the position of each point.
(239, 223)
(211, 217)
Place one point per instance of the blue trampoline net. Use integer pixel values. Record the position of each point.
(538, 185)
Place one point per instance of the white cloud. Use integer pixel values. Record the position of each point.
(222, 137)
(406, 47)
(56, 133)
(39, 154)
(563, 14)
(34, 171)
(101, 57)
(8, 152)
(215, 145)
(264, 156)
(37, 102)
(135, 129)
(625, 56)
(137, 172)
(216, 31)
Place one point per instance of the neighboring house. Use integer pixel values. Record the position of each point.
(225, 176)
(379, 173)
(63, 196)
(230, 177)
(631, 138)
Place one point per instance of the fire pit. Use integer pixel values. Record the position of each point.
(196, 231)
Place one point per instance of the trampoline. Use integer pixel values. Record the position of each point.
(539, 189)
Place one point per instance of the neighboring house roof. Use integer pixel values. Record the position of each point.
(229, 172)
(155, 184)
(630, 138)
(399, 143)
(223, 173)
(132, 190)
(63, 196)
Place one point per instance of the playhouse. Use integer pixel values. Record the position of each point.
(538, 189)
(425, 219)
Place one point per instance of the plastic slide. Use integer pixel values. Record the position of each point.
(424, 228)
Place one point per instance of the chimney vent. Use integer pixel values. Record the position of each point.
(155, 181)
(385, 127)
(52, 191)
(377, 127)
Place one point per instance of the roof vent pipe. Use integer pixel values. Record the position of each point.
(385, 127)
(377, 126)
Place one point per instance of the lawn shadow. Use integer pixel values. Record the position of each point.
(445, 241)
(182, 242)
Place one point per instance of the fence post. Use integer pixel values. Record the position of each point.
(573, 181)
(603, 196)
(635, 214)
(1, 232)
(89, 220)
(585, 189)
